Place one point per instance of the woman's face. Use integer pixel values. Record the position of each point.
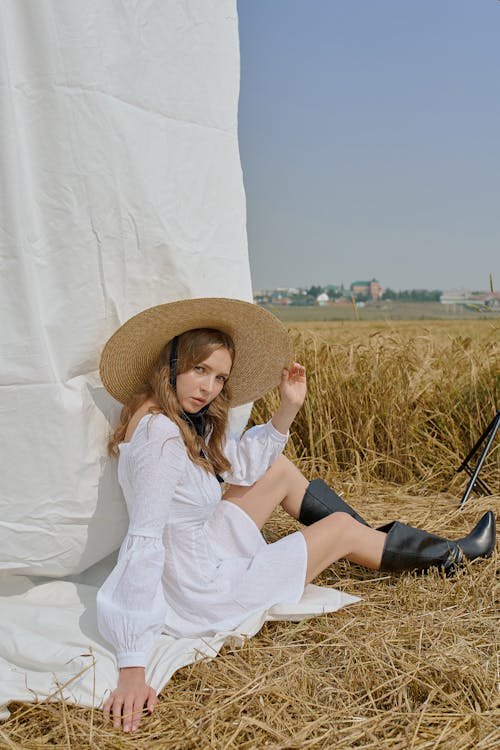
(199, 386)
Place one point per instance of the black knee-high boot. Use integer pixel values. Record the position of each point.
(320, 501)
(407, 548)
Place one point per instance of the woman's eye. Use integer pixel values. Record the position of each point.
(222, 378)
(199, 368)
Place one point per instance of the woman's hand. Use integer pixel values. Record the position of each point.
(127, 702)
(293, 386)
(293, 389)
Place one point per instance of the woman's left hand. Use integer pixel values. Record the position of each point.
(293, 386)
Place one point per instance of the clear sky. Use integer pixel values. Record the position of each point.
(369, 134)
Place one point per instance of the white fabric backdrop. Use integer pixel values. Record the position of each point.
(120, 188)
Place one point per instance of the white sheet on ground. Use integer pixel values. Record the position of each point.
(68, 659)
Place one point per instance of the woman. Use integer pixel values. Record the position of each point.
(194, 561)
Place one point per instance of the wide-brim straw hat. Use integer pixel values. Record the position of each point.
(262, 345)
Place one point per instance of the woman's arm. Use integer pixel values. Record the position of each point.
(293, 389)
(131, 607)
(252, 454)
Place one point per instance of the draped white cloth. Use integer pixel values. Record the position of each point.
(67, 658)
(120, 188)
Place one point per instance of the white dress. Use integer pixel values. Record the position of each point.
(192, 564)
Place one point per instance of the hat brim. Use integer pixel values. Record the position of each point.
(261, 341)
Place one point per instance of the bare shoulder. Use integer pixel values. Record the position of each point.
(136, 418)
(160, 426)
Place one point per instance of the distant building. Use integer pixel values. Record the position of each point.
(457, 297)
(493, 300)
(261, 297)
(281, 300)
(323, 299)
(468, 297)
(370, 289)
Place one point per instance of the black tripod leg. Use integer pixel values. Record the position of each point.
(490, 432)
(474, 450)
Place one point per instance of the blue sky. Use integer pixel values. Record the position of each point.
(369, 138)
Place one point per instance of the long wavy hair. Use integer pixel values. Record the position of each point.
(194, 347)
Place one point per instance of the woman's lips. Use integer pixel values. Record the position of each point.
(199, 401)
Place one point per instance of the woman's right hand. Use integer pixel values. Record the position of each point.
(126, 703)
(293, 389)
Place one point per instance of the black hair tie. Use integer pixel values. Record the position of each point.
(173, 361)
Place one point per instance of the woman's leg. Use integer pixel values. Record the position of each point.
(282, 484)
(340, 535)
(336, 536)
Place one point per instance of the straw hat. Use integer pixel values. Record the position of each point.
(262, 345)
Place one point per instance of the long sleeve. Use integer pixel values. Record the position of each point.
(253, 453)
(131, 608)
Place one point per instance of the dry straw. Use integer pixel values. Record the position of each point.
(415, 665)
(395, 408)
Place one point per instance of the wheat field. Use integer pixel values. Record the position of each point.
(392, 410)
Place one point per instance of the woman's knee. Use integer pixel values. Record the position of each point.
(280, 472)
(282, 465)
(332, 528)
(285, 469)
(274, 480)
(341, 525)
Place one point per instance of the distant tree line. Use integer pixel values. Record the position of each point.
(307, 297)
(334, 292)
(407, 295)
(413, 295)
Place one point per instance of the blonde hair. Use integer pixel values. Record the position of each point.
(194, 347)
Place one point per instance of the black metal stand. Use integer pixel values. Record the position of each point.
(489, 436)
